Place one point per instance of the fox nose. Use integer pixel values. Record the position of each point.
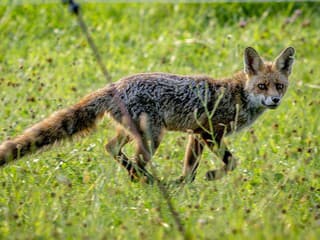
(275, 99)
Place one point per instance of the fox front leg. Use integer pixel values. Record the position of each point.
(191, 159)
(228, 159)
(230, 164)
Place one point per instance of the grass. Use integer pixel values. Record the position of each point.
(76, 191)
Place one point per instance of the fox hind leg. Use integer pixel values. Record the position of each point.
(114, 148)
(147, 143)
(150, 141)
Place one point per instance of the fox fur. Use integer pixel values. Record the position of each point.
(152, 103)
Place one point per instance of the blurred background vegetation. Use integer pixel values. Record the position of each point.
(75, 190)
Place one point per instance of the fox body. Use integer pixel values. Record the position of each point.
(146, 105)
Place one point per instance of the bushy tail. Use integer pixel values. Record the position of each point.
(63, 124)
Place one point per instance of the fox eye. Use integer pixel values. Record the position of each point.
(279, 86)
(262, 86)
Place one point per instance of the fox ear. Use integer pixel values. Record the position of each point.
(252, 61)
(284, 61)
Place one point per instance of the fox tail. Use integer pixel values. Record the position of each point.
(79, 118)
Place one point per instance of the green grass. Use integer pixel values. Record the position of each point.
(76, 191)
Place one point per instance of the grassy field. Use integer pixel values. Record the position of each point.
(76, 191)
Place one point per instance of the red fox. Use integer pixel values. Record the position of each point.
(206, 108)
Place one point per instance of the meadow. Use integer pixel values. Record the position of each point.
(75, 190)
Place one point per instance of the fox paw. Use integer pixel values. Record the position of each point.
(215, 174)
(185, 179)
(180, 181)
(141, 175)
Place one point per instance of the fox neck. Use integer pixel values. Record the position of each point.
(249, 109)
(238, 83)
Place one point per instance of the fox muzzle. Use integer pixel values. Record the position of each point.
(271, 102)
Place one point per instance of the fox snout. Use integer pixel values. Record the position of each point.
(276, 100)
(262, 100)
(271, 101)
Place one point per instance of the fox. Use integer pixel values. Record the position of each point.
(146, 105)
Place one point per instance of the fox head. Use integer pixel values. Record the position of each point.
(267, 82)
